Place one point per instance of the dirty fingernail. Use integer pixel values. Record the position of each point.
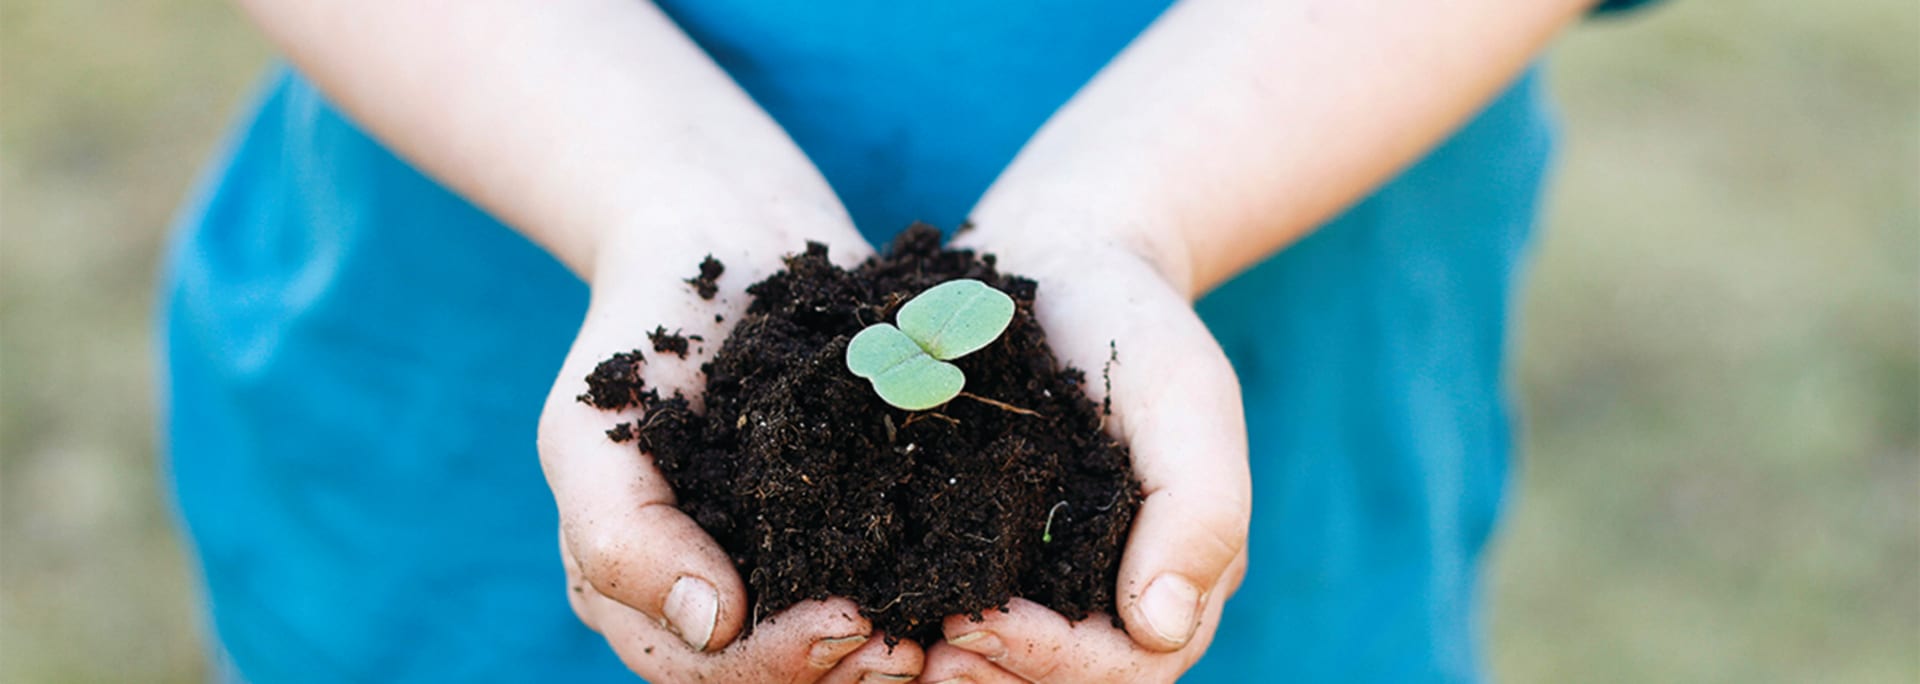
(692, 607)
(827, 652)
(982, 642)
(876, 677)
(1171, 606)
(956, 680)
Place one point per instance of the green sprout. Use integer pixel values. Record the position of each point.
(908, 364)
(1046, 535)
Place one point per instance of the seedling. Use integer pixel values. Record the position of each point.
(908, 364)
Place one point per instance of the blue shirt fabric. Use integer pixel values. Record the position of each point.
(356, 359)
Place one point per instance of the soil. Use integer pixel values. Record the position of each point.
(668, 342)
(818, 488)
(705, 284)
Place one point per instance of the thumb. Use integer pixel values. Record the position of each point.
(1177, 403)
(620, 526)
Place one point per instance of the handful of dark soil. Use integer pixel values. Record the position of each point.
(818, 488)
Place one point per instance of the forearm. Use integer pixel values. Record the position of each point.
(1230, 128)
(574, 121)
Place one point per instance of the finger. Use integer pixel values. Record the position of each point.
(1189, 449)
(1193, 519)
(622, 529)
(878, 663)
(577, 585)
(800, 644)
(949, 664)
(1188, 442)
(1038, 645)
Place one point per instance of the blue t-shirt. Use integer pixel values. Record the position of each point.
(358, 519)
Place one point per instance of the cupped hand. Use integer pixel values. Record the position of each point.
(1176, 404)
(661, 591)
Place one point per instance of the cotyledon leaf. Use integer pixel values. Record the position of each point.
(901, 372)
(879, 348)
(956, 318)
(920, 383)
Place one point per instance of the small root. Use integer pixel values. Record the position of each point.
(896, 600)
(1004, 406)
(928, 414)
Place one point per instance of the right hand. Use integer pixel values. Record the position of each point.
(639, 571)
(1107, 303)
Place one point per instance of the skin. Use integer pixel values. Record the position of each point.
(549, 115)
(1178, 166)
(1181, 164)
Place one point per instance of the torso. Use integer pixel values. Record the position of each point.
(326, 479)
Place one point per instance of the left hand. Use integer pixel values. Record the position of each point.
(1176, 403)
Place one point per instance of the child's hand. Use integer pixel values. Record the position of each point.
(1176, 402)
(639, 571)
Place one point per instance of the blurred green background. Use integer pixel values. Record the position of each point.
(1718, 353)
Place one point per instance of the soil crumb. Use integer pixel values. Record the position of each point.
(615, 383)
(707, 283)
(668, 342)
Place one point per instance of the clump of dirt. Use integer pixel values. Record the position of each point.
(616, 383)
(818, 488)
(706, 284)
(671, 343)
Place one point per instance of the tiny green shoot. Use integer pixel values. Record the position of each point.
(1046, 535)
(907, 364)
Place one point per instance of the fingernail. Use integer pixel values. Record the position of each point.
(692, 607)
(983, 642)
(1171, 606)
(827, 652)
(878, 677)
(955, 680)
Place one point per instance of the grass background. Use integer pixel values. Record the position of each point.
(1718, 353)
